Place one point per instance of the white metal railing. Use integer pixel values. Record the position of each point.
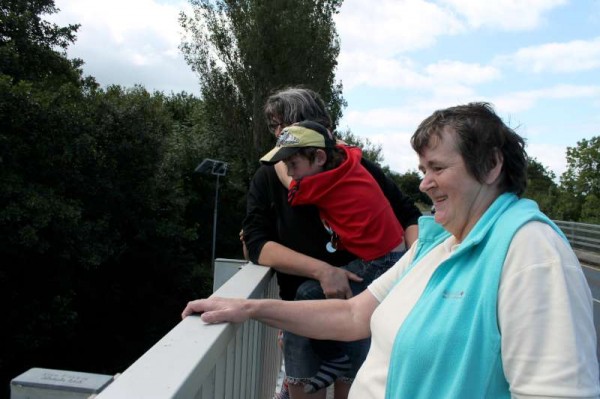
(581, 235)
(199, 361)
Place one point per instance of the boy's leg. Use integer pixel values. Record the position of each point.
(311, 289)
(300, 364)
(296, 392)
(335, 363)
(285, 391)
(341, 390)
(329, 372)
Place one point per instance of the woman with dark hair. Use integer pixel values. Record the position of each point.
(490, 302)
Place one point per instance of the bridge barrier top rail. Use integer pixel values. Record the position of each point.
(198, 361)
(581, 235)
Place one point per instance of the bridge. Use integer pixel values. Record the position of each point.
(200, 361)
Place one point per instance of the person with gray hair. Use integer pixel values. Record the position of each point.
(286, 107)
(490, 302)
(293, 240)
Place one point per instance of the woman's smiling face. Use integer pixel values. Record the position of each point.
(459, 198)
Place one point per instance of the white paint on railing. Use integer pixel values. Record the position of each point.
(195, 360)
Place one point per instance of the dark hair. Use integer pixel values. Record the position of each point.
(480, 135)
(295, 104)
(335, 156)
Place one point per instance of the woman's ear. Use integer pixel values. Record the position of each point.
(494, 173)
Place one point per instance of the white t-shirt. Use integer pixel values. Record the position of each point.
(544, 314)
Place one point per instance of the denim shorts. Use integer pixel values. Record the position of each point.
(301, 361)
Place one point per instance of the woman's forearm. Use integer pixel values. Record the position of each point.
(342, 320)
(320, 319)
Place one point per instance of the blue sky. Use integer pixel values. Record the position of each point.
(536, 61)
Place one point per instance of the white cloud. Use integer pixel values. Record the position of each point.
(362, 69)
(128, 26)
(390, 27)
(406, 118)
(391, 127)
(461, 72)
(505, 15)
(553, 157)
(396, 149)
(573, 56)
(138, 44)
(375, 41)
(524, 100)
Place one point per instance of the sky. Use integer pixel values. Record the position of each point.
(536, 61)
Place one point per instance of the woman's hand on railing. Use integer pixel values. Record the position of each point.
(218, 310)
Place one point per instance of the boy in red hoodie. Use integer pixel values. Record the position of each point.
(354, 211)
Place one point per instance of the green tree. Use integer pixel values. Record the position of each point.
(590, 209)
(93, 219)
(242, 51)
(409, 183)
(541, 187)
(371, 151)
(137, 188)
(583, 167)
(94, 207)
(580, 183)
(40, 227)
(33, 49)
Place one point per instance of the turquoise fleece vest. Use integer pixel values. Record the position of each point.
(449, 345)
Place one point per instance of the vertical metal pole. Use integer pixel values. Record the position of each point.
(214, 240)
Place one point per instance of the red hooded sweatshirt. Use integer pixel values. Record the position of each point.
(352, 204)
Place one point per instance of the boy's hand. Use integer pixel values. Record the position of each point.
(282, 171)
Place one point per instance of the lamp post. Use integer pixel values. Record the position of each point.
(217, 168)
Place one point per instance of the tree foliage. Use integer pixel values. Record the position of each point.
(93, 222)
(580, 183)
(541, 186)
(370, 151)
(583, 167)
(245, 49)
(31, 48)
(99, 207)
(409, 183)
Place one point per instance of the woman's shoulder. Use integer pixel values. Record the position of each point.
(536, 244)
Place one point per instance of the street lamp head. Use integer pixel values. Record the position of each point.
(212, 166)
